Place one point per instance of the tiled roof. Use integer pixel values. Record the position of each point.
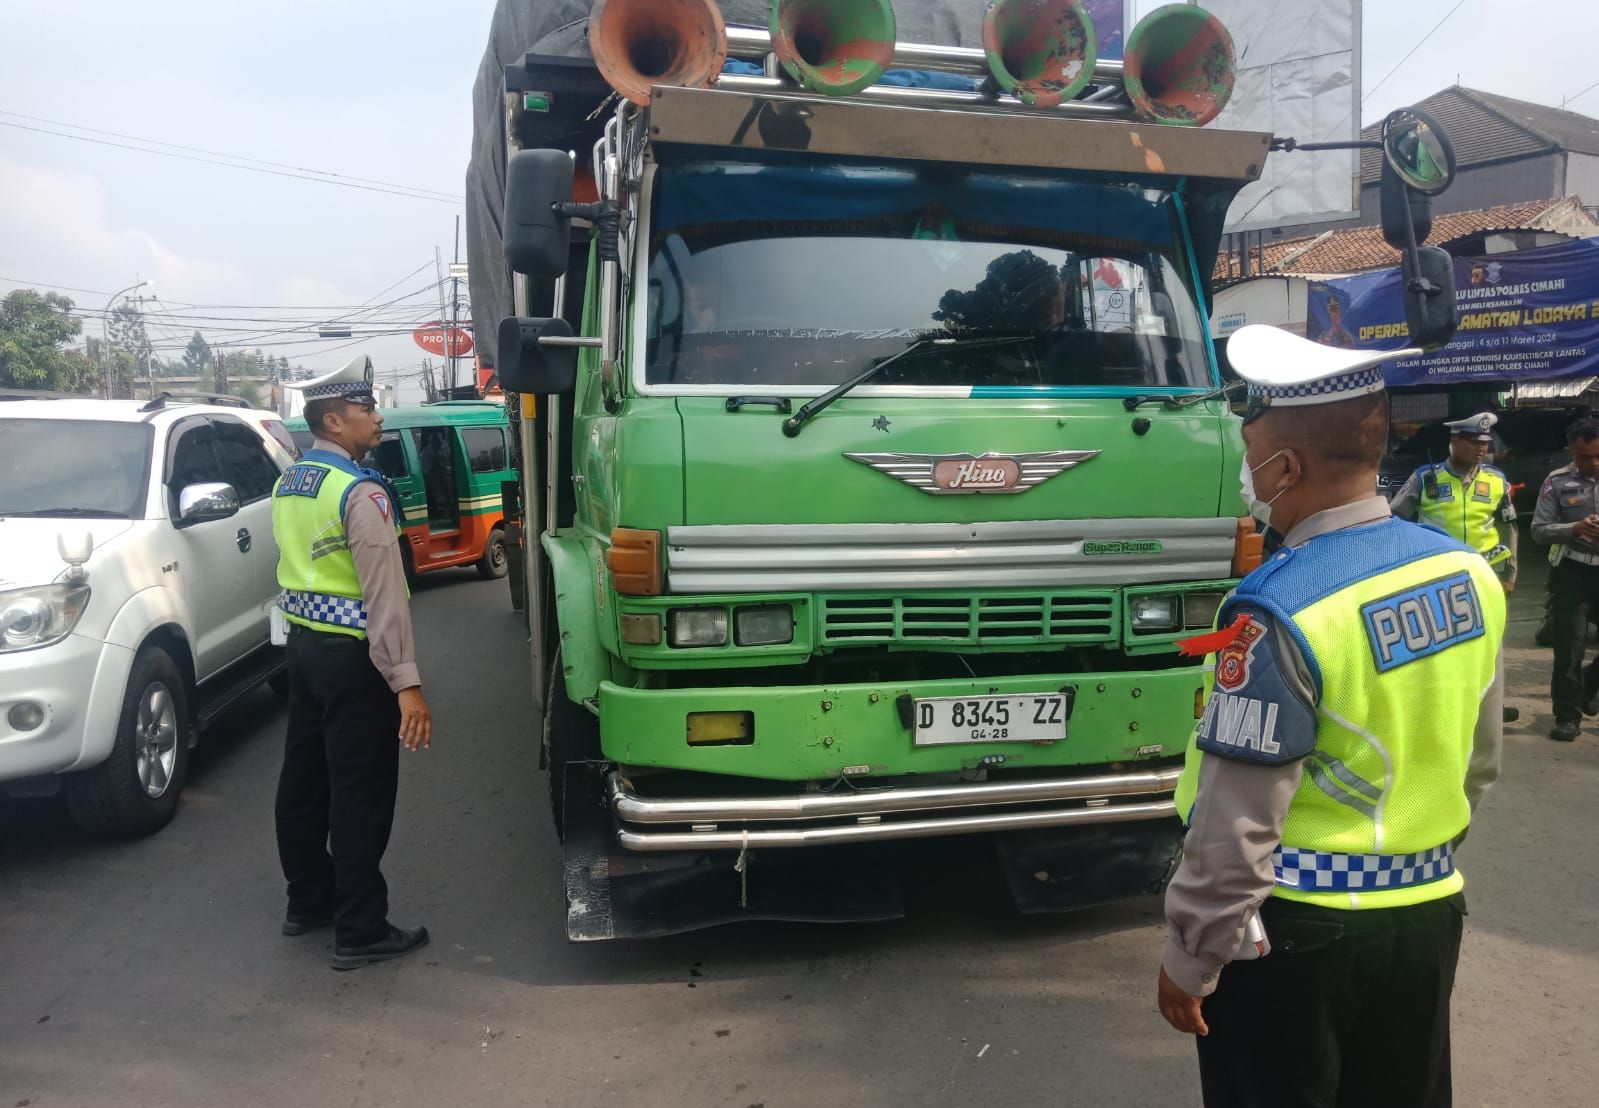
(1363, 248)
(1486, 127)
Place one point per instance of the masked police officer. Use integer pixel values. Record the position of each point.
(1466, 498)
(355, 692)
(1568, 515)
(1353, 724)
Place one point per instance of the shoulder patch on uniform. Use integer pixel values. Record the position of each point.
(1419, 622)
(381, 499)
(1254, 713)
(302, 480)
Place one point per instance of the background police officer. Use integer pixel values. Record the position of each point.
(1465, 498)
(1353, 725)
(1568, 515)
(353, 679)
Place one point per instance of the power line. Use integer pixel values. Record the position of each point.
(439, 199)
(1564, 100)
(233, 157)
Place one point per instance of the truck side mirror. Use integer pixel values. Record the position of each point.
(529, 365)
(1429, 294)
(1418, 164)
(538, 235)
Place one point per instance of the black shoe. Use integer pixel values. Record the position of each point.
(397, 944)
(296, 924)
(1590, 707)
(1545, 635)
(1511, 715)
(1565, 731)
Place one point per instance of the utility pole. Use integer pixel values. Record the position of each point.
(105, 340)
(455, 307)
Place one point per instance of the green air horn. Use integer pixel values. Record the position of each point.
(1040, 51)
(835, 47)
(1179, 66)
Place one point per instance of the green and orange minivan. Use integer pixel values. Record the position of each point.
(447, 461)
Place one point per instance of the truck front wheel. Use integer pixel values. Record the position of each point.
(493, 563)
(571, 737)
(135, 790)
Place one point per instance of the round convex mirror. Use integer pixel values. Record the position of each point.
(1418, 150)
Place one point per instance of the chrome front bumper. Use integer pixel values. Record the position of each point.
(847, 815)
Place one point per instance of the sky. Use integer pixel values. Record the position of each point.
(382, 91)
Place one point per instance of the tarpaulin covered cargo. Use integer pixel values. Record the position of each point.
(558, 27)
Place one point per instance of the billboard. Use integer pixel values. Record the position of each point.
(1531, 315)
(1299, 76)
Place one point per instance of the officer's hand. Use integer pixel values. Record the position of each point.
(1180, 1009)
(1587, 529)
(416, 721)
(1510, 586)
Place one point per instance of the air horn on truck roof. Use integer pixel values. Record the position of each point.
(1178, 68)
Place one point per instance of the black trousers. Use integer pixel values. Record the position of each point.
(341, 765)
(1574, 588)
(1349, 1010)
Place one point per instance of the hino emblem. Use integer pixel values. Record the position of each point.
(966, 474)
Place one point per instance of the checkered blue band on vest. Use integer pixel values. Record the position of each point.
(1315, 871)
(1364, 380)
(339, 611)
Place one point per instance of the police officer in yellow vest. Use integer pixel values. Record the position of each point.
(1352, 725)
(1465, 498)
(355, 692)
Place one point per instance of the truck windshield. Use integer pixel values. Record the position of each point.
(796, 276)
(80, 468)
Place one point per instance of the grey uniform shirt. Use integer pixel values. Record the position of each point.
(1238, 815)
(1565, 499)
(369, 529)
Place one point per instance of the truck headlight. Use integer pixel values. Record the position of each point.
(763, 625)
(1159, 612)
(698, 627)
(1199, 609)
(38, 617)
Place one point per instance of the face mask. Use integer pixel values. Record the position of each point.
(1259, 509)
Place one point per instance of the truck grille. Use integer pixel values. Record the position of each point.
(1079, 617)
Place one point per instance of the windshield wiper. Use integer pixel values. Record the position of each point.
(1172, 400)
(792, 425)
(46, 513)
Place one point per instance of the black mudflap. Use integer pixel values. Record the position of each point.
(1069, 868)
(612, 893)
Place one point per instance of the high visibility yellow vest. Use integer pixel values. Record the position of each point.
(1401, 630)
(1464, 508)
(316, 570)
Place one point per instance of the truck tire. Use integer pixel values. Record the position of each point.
(408, 561)
(571, 734)
(135, 790)
(492, 565)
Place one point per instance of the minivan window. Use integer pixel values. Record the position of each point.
(85, 468)
(389, 457)
(485, 448)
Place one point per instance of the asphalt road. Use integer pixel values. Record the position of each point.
(152, 972)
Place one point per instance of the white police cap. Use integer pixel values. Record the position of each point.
(1479, 426)
(1284, 370)
(351, 380)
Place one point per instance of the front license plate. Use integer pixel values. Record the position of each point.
(1034, 717)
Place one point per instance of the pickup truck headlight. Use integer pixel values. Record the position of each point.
(697, 627)
(38, 617)
(1158, 612)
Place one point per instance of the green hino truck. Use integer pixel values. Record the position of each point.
(874, 462)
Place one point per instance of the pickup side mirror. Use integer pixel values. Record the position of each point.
(532, 366)
(538, 235)
(207, 501)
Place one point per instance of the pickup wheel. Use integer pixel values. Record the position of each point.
(571, 735)
(493, 564)
(135, 790)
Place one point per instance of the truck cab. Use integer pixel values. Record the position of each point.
(882, 463)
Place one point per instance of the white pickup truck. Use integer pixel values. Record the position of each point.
(137, 573)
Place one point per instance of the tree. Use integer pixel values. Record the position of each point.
(197, 361)
(128, 352)
(34, 331)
